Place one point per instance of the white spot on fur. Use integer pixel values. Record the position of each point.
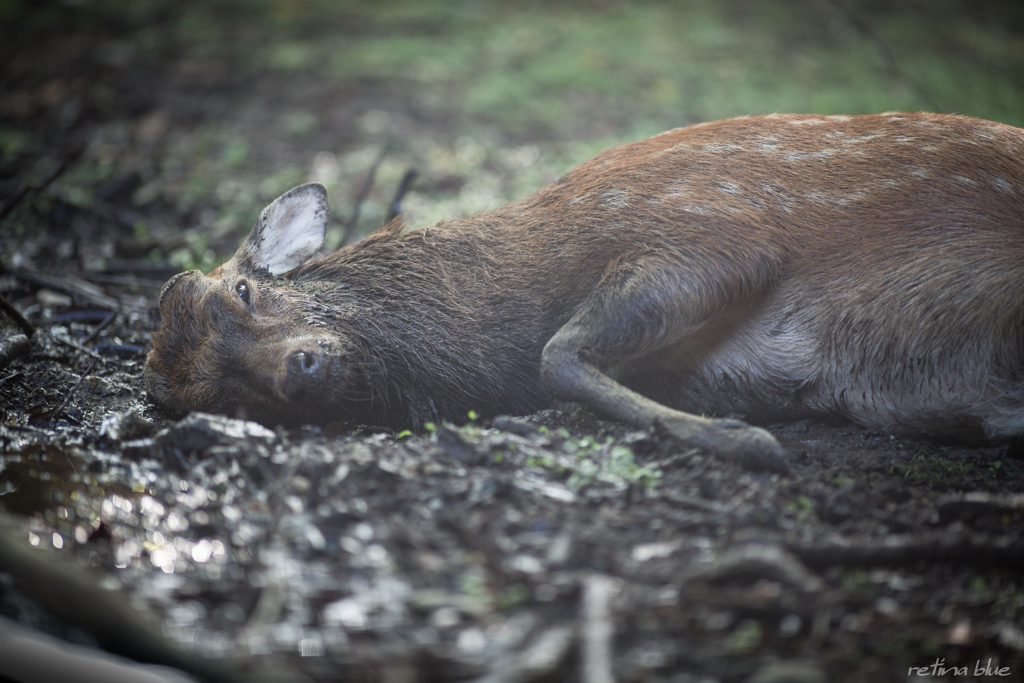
(719, 147)
(920, 172)
(829, 199)
(864, 138)
(674, 148)
(1003, 184)
(807, 122)
(616, 199)
(681, 189)
(577, 200)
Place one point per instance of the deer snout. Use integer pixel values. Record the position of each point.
(303, 371)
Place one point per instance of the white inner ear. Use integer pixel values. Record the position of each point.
(292, 228)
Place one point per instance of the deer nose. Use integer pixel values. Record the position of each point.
(303, 362)
(303, 373)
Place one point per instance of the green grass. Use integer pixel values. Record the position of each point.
(575, 68)
(648, 65)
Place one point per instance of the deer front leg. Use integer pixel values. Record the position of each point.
(640, 306)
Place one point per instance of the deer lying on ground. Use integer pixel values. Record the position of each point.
(774, 267)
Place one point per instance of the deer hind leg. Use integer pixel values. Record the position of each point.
(641, 305)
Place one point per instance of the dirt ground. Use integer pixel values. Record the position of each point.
(544, 547)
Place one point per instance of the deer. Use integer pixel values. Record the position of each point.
(701, 282)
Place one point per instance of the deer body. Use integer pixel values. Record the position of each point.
(769, 267)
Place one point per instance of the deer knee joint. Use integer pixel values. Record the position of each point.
(560, 366)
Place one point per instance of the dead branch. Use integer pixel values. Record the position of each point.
(16, 315)
(13, 347)
(900, 552)
(364, 192)
(403, 188)
(42, 183)
(755, 561)
(69, 284)
(597, 629)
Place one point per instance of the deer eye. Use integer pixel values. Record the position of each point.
(242, 290)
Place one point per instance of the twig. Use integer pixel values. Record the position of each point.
(597, 629)
(42, 184)
(537, 662)
(364, 192)
(10, 310)
(125, 280)
(74, 595)
(69, 284)
(754, 560)
(264, 615)
(272, 598)
(74, 345)
(71, 393)
(899, 551)
(403, 188)
(699, 503)
(15, 346)
(99, 328)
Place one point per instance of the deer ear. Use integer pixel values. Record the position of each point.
(288, 232)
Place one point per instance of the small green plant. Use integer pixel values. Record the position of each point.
(746, 637)
(801, 504)
(12, 142)
(857, 579)
(802, 507)
(588, 461)
(545, 461)
(924, 467)
(196, 255)
(513, 596)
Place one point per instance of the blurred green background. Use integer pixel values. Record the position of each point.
(219, 106)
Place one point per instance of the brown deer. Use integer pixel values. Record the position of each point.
(771, 267)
